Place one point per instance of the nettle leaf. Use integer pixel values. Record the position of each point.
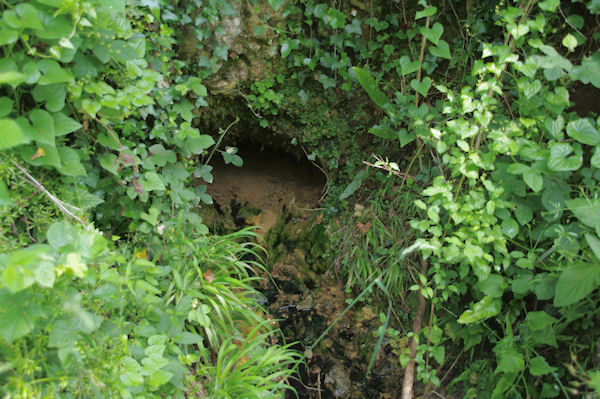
(11, 134)
(538, 366)
(486, 308)
(583, 131)
(559, 159)
(576, 282)
(509, 359)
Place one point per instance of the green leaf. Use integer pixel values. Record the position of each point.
(523, 214)
(421, 87)
(493, 286)
(4, 196)
(276, 4)
(11, 77)
(538, 366)
(53, 95)
(586, 210)
(20, 266)
(152, 181)
(442, 50)
(569, 42)
(23, 16)
(11, 134)
(583, 131)
(354, 185)
(539, 320)
(559, 159)
(368, 83)
(595, 161)
(518, 30)
(594, 244)
(555, 127)
(407, 66)
(18, 317)
(589, 70)
(428, 12)
(43, 126)
(53, 73)
(61, 234)
(509, 359)
(6, 106)
(510, 228)
(64, 125)
(549, 5)
(486, 308)
(160, 377)
(8, 36)
(70, 162)
(576, 282)
(434, 33)
(199, 144)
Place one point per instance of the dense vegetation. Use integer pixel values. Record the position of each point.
(480, 211)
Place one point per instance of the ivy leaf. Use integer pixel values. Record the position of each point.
(407, 66)
(589, 70)
(442, 50)
(421, 87)
(11, 134)
(576, 282)
(583, 131)
(428, 12)
(434, 33)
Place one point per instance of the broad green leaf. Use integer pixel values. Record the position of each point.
(434, 33)
(555, 127)
(594, 243)
(428, 12)
(518, 30)
(510, 228)
(197, 145)
(559, 159)
(61, 234)
(595, 161)
(493, 286)
(6, 106)
(64, 125)
(589, 70)
(421, 87)
(152, 181)
(586, 210)
(17, 316)
(523, 214)
(8, 36)
(583, 131)
(20, 267)
(569, 41)
(23, 16)
(70, 162)
(486, 308)
(442, 50)
(509, 359)
(43, 126)
(407, 66)
(53, 73)
(276, 4)
(53, 95)
(539, 320)
(538, 366)
(354, 185)
(576, 282)
(11, 134)
(549, 5)
(11, 77)
(160, 377)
